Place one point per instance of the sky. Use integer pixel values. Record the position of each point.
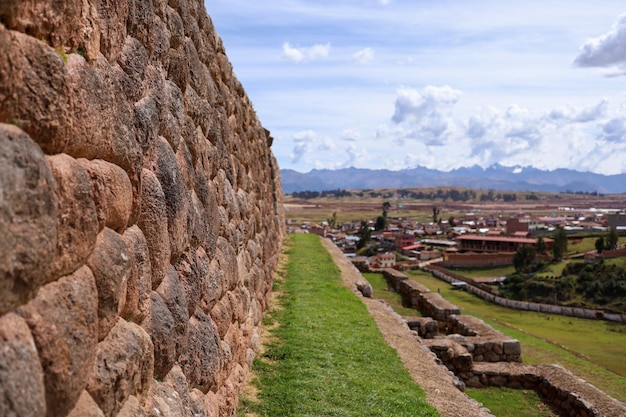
(395, 84)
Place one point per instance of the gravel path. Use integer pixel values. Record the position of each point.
(435, 379)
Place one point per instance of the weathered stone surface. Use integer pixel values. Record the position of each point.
(28, 216)
(111, 265)
(177, 198)
(86, 407)
(160, 327)
(150, 136)
(153, 223)
(172, 293)
(123, 367)
(77, 223)
(132, 408)
(64, 322)
(201, 362)
(22, 392)
(193, 272)
(32, 89)
(113, 193)
(136, 305)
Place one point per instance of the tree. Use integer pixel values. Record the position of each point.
(600, 244)
(560, 244)
(524, 259)
(386, 207)
(381, 223)
(541, 245)
(436, 212)
(365, 234)
(612, 239)
(332, 221)
(451, 221)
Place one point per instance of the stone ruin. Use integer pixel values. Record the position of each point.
(480, 356)
(140, 212)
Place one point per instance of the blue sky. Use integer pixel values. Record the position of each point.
(438, 83)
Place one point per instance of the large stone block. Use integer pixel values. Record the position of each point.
(136, 305)
(22, 392)
(201, 363)
(172, 292)
(77, 223)
(111, 265)
(123, 367)
(113, 193)
(86, 407)
(160, 327)
(64, 322)
(153, 223)
(177, 198)
(32, 88)
(193, 272)
(29, 208)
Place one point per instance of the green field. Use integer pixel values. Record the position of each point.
(326, 356)
(593, 350)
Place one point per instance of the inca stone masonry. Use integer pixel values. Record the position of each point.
(140, 212)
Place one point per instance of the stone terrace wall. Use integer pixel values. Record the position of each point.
(140, 212)
(584, 313)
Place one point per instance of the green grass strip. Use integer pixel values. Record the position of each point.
(327, 357)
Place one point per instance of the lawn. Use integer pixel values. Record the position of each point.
(593, 350)
(508, 402)
(380, 291)
(326, 356)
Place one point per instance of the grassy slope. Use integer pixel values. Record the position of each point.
(327, 357)
(603, 343)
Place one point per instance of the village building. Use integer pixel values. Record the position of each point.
(475, 243)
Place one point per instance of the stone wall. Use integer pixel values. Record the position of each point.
(140, 212)
(584, 313)
(480, 356)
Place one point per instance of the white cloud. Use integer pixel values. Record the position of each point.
(306, 54)
(385, 2)
(608, 50)
(427, 113)
(356, 155)
(364, 56)
(614, 130)
(350, 135)
(308, 142)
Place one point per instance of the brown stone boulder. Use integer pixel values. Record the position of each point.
(111, 265)
(202, 362)
(172, 292)
(33, 89)
(64, 322)
(113, 193)
(136, 305)
(160, 326)
(193, 272)
(123, 367)
(28, 215)
(22, 392)
(153, 223)
(86, 407)
(77, 222)
(177, 197)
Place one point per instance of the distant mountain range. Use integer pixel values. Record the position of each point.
(496, 177)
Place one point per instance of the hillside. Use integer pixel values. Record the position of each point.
(496, 177)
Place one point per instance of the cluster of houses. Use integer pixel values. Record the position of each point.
(474, 241)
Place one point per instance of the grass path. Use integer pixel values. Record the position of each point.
(326, 356)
